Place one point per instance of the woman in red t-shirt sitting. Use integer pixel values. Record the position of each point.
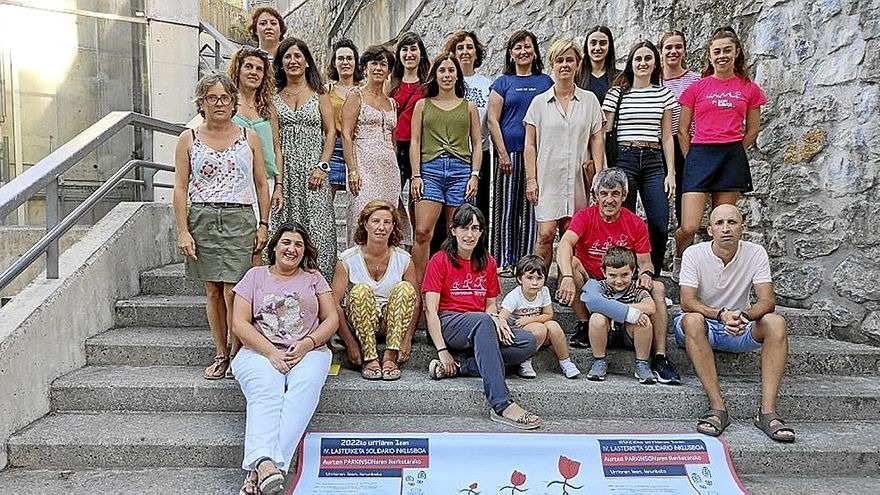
(461, 288)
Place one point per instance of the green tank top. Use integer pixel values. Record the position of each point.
(446, 131)
(263, 128)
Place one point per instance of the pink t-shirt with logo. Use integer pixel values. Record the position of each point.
(284, 311)
(720, 108)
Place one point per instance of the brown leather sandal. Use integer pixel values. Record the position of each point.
(369, 372)
(217, 369)
(390, 371)
(777, 430)
(714, 422)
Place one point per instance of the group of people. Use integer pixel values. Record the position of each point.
(277, 143)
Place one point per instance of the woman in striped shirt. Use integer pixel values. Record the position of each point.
(644, 139)
(676, 77)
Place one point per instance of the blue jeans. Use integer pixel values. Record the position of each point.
(477, 330)
(646, 171)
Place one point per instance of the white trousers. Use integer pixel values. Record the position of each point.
(279, 407)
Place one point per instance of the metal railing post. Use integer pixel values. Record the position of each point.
(217, 57)
(51, 221)
(150, 173)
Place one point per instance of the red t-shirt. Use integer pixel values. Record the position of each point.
(461, 289)
(406, 97)
(720, 108)
(595, 236)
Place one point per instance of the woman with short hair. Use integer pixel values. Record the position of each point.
(564, 138)
(513, 227)
(216, 184)
(375, 292)
(308, 133)
(284, 314)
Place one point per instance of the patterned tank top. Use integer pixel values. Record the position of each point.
(222, 176)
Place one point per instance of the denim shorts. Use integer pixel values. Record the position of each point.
(719, 339)
(445, 180)
(717, 168)
(337, 165)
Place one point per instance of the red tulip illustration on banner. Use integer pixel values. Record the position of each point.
(471, 489)
(569, 469)
(517, 479)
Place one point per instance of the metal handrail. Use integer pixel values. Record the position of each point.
(220, 41)
(45, 174)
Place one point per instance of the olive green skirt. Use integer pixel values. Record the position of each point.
(224, 242)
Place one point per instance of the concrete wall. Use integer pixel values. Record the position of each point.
(816, 166)
(42, 331)
(17, 240)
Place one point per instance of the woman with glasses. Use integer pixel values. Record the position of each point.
(308, 133)
(216, 184)
(461, 293)
(345, 73)
(251, 70)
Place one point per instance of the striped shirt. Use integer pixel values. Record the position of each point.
(677, 85)
(640, 112)
(631, 295)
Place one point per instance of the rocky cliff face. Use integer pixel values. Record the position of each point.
(816, 166)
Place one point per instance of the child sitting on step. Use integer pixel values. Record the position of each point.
(635, 333)
(529, 307)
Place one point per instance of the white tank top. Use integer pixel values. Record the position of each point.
(358, 273)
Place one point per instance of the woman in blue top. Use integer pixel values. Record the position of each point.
(513, 223)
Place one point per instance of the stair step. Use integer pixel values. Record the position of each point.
(154, 481)
(182, 388)
(151, 346)
(130, 440)
(159, 481)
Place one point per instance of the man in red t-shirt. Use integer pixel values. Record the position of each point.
(592, 231)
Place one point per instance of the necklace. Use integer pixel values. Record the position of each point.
(290, 94)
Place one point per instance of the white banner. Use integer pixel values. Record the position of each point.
(512, 464)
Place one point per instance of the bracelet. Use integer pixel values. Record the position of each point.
(263, 222)
(277, 182)
(416, 177)
(718, 316)
(649, 273)
(531, 178)
(567, 276)
(475, 173)
(314, 342)
(441, 350)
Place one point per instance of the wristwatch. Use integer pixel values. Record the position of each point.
(475, 173)
(323, 167)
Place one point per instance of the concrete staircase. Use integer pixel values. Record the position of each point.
(138, 418)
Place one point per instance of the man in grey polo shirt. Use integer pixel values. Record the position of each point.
(716, 278)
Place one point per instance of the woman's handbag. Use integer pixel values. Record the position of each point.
(611, 147)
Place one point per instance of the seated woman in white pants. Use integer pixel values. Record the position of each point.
(283, 314)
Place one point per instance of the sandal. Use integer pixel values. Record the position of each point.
(217, 369)
(371, 373)
(765, 423)
(525, 421)
(436, 371)
(229, 375)
(270, 480)
(714, 422)
(390, 371)
(250, 486)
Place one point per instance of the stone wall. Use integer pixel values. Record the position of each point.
(816, 165)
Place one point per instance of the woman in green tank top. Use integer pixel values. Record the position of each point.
(445, 132)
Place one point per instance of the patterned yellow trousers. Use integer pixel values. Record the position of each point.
(367, 318)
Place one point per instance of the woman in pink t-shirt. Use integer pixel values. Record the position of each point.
(461, 290)
(284, 314)
(725, 107)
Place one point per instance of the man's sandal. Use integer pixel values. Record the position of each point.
(390, 371)
(269, 479)
(217, 369)
(773, 426)
(436, 370)
(714, 422)
(371, 372)
(525, 421)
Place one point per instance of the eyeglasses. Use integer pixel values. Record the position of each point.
(475, 229)
(223, 99)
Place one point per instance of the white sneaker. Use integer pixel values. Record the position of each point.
(569, 368)
(676, 269)
(526, 370)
